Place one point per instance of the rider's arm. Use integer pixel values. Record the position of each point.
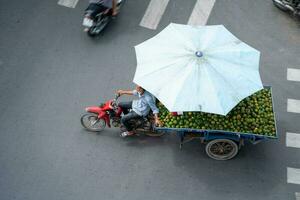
(153, 107)
(155, 110)
(128, 92)
(114, 7)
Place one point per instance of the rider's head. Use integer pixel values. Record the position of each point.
(139, 89)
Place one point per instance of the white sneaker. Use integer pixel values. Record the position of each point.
(87, 22)
(126, 134)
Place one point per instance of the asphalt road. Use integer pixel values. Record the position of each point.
(50, 70)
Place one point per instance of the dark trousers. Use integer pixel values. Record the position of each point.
(94, 8)
(127, 115)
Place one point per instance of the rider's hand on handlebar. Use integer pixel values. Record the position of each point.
(119, 93)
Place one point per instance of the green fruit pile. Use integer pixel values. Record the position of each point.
(252, 115)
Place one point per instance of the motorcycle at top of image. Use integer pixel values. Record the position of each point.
(288, 6)
(94, 25)
(109, 113)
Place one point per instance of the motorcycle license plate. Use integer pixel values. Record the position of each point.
(87, 22)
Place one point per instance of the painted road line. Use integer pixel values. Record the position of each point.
(154, 12)
(293, 74)
(293, 140)
(297, 195)
(293, 105)
(68, 3)
(293, 175)
(201, 12)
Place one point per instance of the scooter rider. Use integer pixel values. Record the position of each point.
(140, 108)
(97, 6)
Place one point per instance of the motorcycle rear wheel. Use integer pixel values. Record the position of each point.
(91, 122)
(154, 134)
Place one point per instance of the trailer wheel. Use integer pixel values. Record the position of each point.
(221, 149)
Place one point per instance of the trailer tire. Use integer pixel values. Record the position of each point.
(221, 149)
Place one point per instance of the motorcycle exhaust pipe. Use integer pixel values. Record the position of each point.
(285, 5)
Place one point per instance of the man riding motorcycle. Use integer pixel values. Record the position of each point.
(140, 108)
(97, 6)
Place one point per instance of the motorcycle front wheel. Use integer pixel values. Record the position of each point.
(91, 122)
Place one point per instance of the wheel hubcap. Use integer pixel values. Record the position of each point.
(221, 148)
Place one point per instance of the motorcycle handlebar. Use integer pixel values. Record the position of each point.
(117, 96)
(114, 103)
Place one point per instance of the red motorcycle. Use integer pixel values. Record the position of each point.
(109, 113)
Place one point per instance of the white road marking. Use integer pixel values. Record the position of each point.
(201, 12)
(154, 12)
(293, 105)
(68, 3)
(293, 175)
(297, 195)
(293, 74)
(293, 140)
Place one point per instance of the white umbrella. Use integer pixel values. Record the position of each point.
(197, 68)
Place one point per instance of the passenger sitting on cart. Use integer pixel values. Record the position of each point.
(139, 108)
